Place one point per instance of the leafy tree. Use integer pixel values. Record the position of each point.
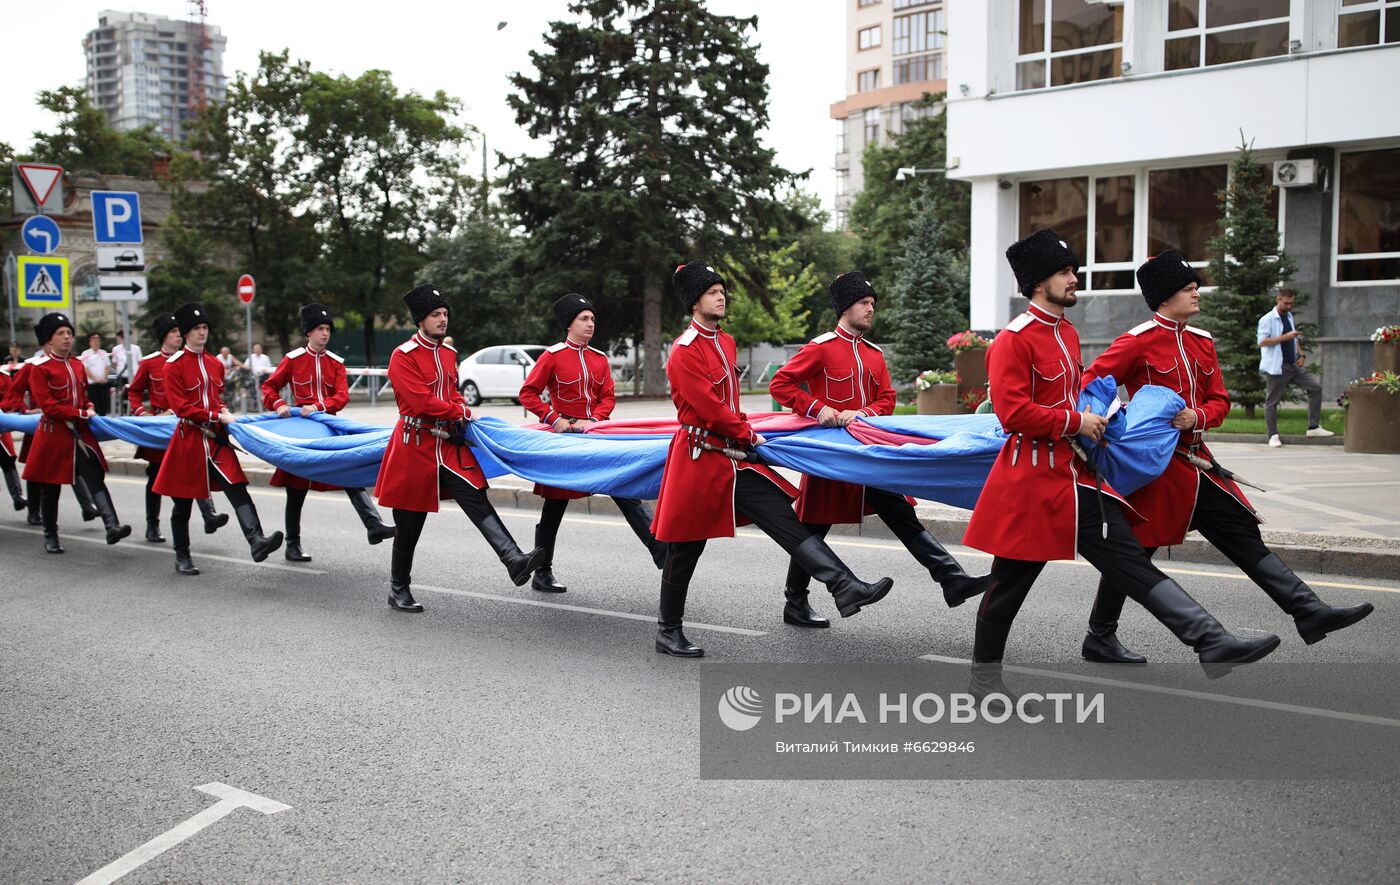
(783, 319)
(1247, 260)
(930, 288)
(884, 212)
(83, 140)
(652, 111)
(188, 274)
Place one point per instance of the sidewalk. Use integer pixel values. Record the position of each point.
(1325, 511)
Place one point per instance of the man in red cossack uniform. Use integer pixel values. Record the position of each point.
(1170, 352)
(317, 380)
(1039, 504)
(580, 385)
(846, 379)
(149, 384)
(18, 401)
(706, 493)
(7, 445)
(64, 446)
(200, 456)
(427, 459)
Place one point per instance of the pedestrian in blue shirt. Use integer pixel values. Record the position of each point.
(1282, 362)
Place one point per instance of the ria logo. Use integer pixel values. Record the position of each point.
(740, 708)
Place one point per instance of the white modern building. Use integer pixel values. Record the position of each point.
(1114, 123)
(147, 69)
(895, 52)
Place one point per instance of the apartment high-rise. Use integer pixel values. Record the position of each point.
(894, 54)
(144, 68)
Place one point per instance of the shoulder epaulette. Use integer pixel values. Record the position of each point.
(296, 353)
(40, 359)
(335, 356)
(597, 351)
(822, 339)
(407, 346)
(871, 344)
(1020, 322)
(175, 356)
(1202, 332)
(448, 346)
(686, 337)
(1142, 327)
(555, 348)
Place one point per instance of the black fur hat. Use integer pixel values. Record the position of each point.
(162, 325)
(849, 288)
(50, 323)
(313, 315)
(423, 300)
(691, 280)
(569, 307)
(189, 315)
(1038, 257)
(1164, 275)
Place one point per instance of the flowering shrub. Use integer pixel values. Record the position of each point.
(930, 377)
(968, 340)
(1387, 381)
(974, 398)
(1387, 334)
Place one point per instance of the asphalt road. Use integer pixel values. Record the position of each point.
(492, 739)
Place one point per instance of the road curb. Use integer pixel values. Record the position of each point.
(1347, 557)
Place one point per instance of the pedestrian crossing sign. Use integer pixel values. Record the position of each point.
(43, 282)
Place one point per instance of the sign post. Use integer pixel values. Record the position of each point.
(247, 288)
(10, 276)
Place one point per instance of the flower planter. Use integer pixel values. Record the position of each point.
(1373, 420)
(972, 370)
(940, 399)
(1387, 356)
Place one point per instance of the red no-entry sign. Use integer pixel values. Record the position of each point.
(246, 289)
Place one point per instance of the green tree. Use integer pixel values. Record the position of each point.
(652, 111)
(930, 288)
(188, 274)
(883, 213)
(1247, 260)
(83, 140)
(784, 319)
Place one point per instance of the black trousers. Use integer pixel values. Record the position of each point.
(894, 511)
(236, 492)
(1119, 558)
(1222, 521)
(764, 504)
(85, 467)
(473, 502)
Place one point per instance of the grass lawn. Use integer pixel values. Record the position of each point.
(1290, 421)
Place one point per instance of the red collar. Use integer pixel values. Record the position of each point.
(1166, 323)
(1044, 315)
(847, 336)
(708, 333)
(425, 341)
(572, 346)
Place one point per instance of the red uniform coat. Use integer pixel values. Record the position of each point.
(194, 385)
(317, 379)
(424, 375)
(6, 383)
(697, 486)
(149, 382)
(580, 385)
(17, 400)
(58, 386)
(1029, 508)
(845, 372)
(1181, 357)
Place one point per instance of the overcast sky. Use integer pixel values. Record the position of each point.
(434, 44)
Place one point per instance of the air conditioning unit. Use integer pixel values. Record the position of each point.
(1295, 173)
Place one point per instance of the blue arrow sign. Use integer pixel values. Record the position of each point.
(116, 217)
(41, 234)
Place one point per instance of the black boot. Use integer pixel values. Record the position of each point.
(639, 517)
(35, 496)
(85, 502)
(1101, 642)
(153, 517)
(153, 534)
(260, 546)
(180, 532)
(958, 586)
(400, 580)
(670, 639)
(850, 593)
(48, 508)
(293, 551)
(375, 528)
(798, 611)
(213, 520)
(115, 530)
(988, 648)
(12, 483)
(544, 575)
(1313, 617)
(519, 565)
(295, 498)
(1218, 649)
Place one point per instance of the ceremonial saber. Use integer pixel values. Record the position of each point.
(1098, 480)
(447, 437)
(1214, 467)
(750, 456)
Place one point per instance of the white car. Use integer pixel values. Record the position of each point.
(496, 372)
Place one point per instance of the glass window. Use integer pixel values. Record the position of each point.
(864, 3)
(842, 182)
(872, 125)
(1061, 204)
(1183, 209)
(1368, 23)
(919, 32)
(1368, 216)
(1217, 32)
(868, 80)
(869, 38)
(841, 138)
(1113, 218)
(1071, 41)
(905, 4)
(918, 68)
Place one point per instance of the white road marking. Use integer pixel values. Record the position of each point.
(230, 800)
(1182, 692)
(161, 548)
(692, 625)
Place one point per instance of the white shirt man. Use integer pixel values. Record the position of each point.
(259, 363)
(1282, 363)
(120, 360)
(98, 365)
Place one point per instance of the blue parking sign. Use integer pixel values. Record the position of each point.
(116, 217)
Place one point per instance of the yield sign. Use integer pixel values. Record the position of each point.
(39, 179)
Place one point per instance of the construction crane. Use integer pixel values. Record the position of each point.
(197, 96)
